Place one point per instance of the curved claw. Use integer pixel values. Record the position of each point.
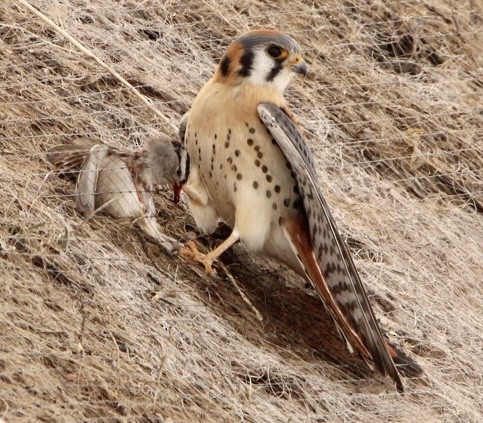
(190, 252)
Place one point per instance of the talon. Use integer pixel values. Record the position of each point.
(190, 252)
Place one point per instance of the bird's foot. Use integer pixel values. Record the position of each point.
(190, 252)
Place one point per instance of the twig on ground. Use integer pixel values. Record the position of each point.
(230, 277)
(90, 54)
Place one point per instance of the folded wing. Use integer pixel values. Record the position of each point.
(323, 253)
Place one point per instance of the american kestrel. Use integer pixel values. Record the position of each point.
(252, 169)
(122, 182)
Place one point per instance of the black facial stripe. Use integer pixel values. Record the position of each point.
(274, 71)
(184, 166)
(246, 61)
(187, 169)
(225, 65)
(183, 171)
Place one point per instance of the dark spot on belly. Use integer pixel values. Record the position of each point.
(277, 189)
(269, 178)
(249, 142)
(269, 193)
(255, 184)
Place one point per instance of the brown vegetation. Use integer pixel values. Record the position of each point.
(98, 325)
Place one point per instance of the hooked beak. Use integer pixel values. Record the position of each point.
(300, 66)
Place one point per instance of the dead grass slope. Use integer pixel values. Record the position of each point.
(95, 326)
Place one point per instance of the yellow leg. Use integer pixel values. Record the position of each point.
(190, 252)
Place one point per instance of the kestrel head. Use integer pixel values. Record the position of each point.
(262, 57)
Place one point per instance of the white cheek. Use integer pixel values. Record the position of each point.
(261, 68)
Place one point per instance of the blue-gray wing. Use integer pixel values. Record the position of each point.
(327, 262)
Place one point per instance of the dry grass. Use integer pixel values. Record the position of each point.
(95, 325)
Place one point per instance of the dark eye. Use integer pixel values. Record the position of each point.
(274, 51)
